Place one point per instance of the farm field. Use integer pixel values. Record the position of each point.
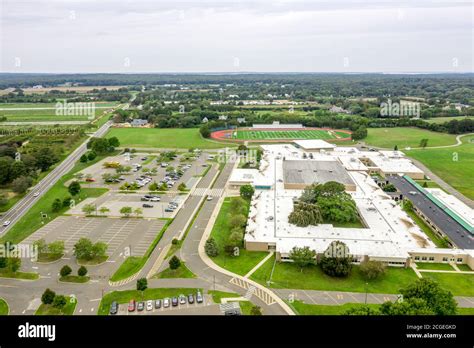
(179, 138)
(39, 112)
(454, 165)
(288, 134)
(405, 137)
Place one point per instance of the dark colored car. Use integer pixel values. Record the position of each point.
(141, 306)
(190, 298)
(232, 312)
(147, 205)
(131, 305)
(174, 301)
(114, 308)
(157, 304)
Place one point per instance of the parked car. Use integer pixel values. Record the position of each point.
(149, 305)
(90, 180)
(155, 199)
(190, 298)
(131, 305)
(209, 198)
(147, 205)
(169, 210)
(166, 302)
(114, 307)
(199, 298)
(174, 301)
(140, 306)
(182, 299)
(157, 304)
(144, 199)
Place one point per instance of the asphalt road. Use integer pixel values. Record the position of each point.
(22, 207)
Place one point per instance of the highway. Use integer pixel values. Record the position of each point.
(20, 209)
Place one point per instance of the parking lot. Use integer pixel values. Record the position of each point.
(207, 307)
(118, 234)
(115, 201)
(145, 169)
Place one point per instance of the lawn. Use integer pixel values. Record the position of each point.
(447, 119)
(181, 272)
(221, 230)
(149, 294)
(454, 165)
(3, 307)
(75, 279)
(287, 275)
(435, 266)
(217, 295)
(68, 309)
(5, 273)
(302, 308)
(464, 268)
(32, 220)
(406, 137)
(179, 138)
(458, 283)
(133, 264)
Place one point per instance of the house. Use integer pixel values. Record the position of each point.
(241, 119)
(205, 120)
(223, 117)
(138, 122)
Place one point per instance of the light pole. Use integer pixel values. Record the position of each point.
(366, 285)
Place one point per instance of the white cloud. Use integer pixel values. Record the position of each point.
(164, 36)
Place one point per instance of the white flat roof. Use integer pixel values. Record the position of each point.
(314, 144)
(465, 212)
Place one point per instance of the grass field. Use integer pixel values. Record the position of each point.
(454, 165)
(3, 307)
(221, 230)
(311, 309)
(458, 283)
(434, 266)
(287, 134)
(287, 275)
(179, 138)
(406, 137)
(447, 119)
(181, 272)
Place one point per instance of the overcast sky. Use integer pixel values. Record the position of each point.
(233, 36)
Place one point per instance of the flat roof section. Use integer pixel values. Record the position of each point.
(310, 171)
(314, 144)
(460, 236)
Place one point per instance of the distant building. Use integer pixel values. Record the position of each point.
(205, 120)
(241, 119)
(338, 109)
(223, 117)
(138, 122)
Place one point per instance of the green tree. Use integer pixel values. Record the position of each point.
(138, 212)
(65, 271)
(91, 155)
(56, 247)
(211, 248)
(59, 301)
(14, 263)
(104, 210)
(237, 205)
(114, 142)
(255, 310)
(57, 205)
(336, 260)
(302, 257)
(361, 310)
(48, 296)
(423, 143)
(88, 209)
(182, 187)
(371, 270)
(126, 211)
(99, 250)
(305, 214)
(83, 249)
(83, 158)
(142, 284)
(174, 262)
(82, 271)
(41, 246)
(21, 184)
(74, 188)
(238, 220)
(247, 191)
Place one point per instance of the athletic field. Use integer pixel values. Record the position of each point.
(250, 134)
